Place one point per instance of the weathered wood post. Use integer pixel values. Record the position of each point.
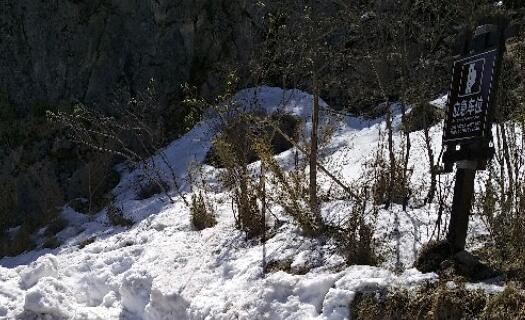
(467, 135)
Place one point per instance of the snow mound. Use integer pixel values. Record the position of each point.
(135, 292)
(164, 306)
(45, 266)
(49, 297)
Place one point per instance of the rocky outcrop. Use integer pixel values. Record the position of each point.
(62, 51)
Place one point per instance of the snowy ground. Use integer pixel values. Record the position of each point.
(162, 269)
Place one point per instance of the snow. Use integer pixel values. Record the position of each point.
(163, 269)
(45, 266)
(50, 297)
(440, 102)
(135, 292)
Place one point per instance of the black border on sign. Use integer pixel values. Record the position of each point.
(445, 140)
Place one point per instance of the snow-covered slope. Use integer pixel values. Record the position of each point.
(162, 269)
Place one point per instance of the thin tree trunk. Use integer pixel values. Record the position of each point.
(433, 181)
(506, 156)
(391, 157)
(501, 162)
(313, 151)
(263, 215)
(89, 189)
(405, 164)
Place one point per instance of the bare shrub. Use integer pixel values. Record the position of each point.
(149, 188)
(51, 242)
(20, 242)
(232, 147)
(421, 117)
(252, 124)
(55, 226)
(293, 193)
(134, 131)
(96, 178)
(249, 216)
(389, 184)
(501, 202)
(357, 236)
(244, 193)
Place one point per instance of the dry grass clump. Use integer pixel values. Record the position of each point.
(86, 242)
(439, 301)
(243, 188)
(233, 148)
(432, 254)
(510, 304)
(356, 237)
(202, 215)
(358, 243)
(278, 265)
(389, 184)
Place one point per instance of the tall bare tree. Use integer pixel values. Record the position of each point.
(305, 48)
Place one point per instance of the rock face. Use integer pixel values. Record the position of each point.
(62, 51)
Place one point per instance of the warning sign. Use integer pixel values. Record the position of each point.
(469, 100)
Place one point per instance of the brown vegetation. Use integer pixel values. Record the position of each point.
(202, 215)
(439, 301)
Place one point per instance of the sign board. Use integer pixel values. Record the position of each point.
(468, 115)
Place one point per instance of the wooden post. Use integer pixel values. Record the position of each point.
(461, 204)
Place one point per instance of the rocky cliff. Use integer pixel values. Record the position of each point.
(62, 51)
